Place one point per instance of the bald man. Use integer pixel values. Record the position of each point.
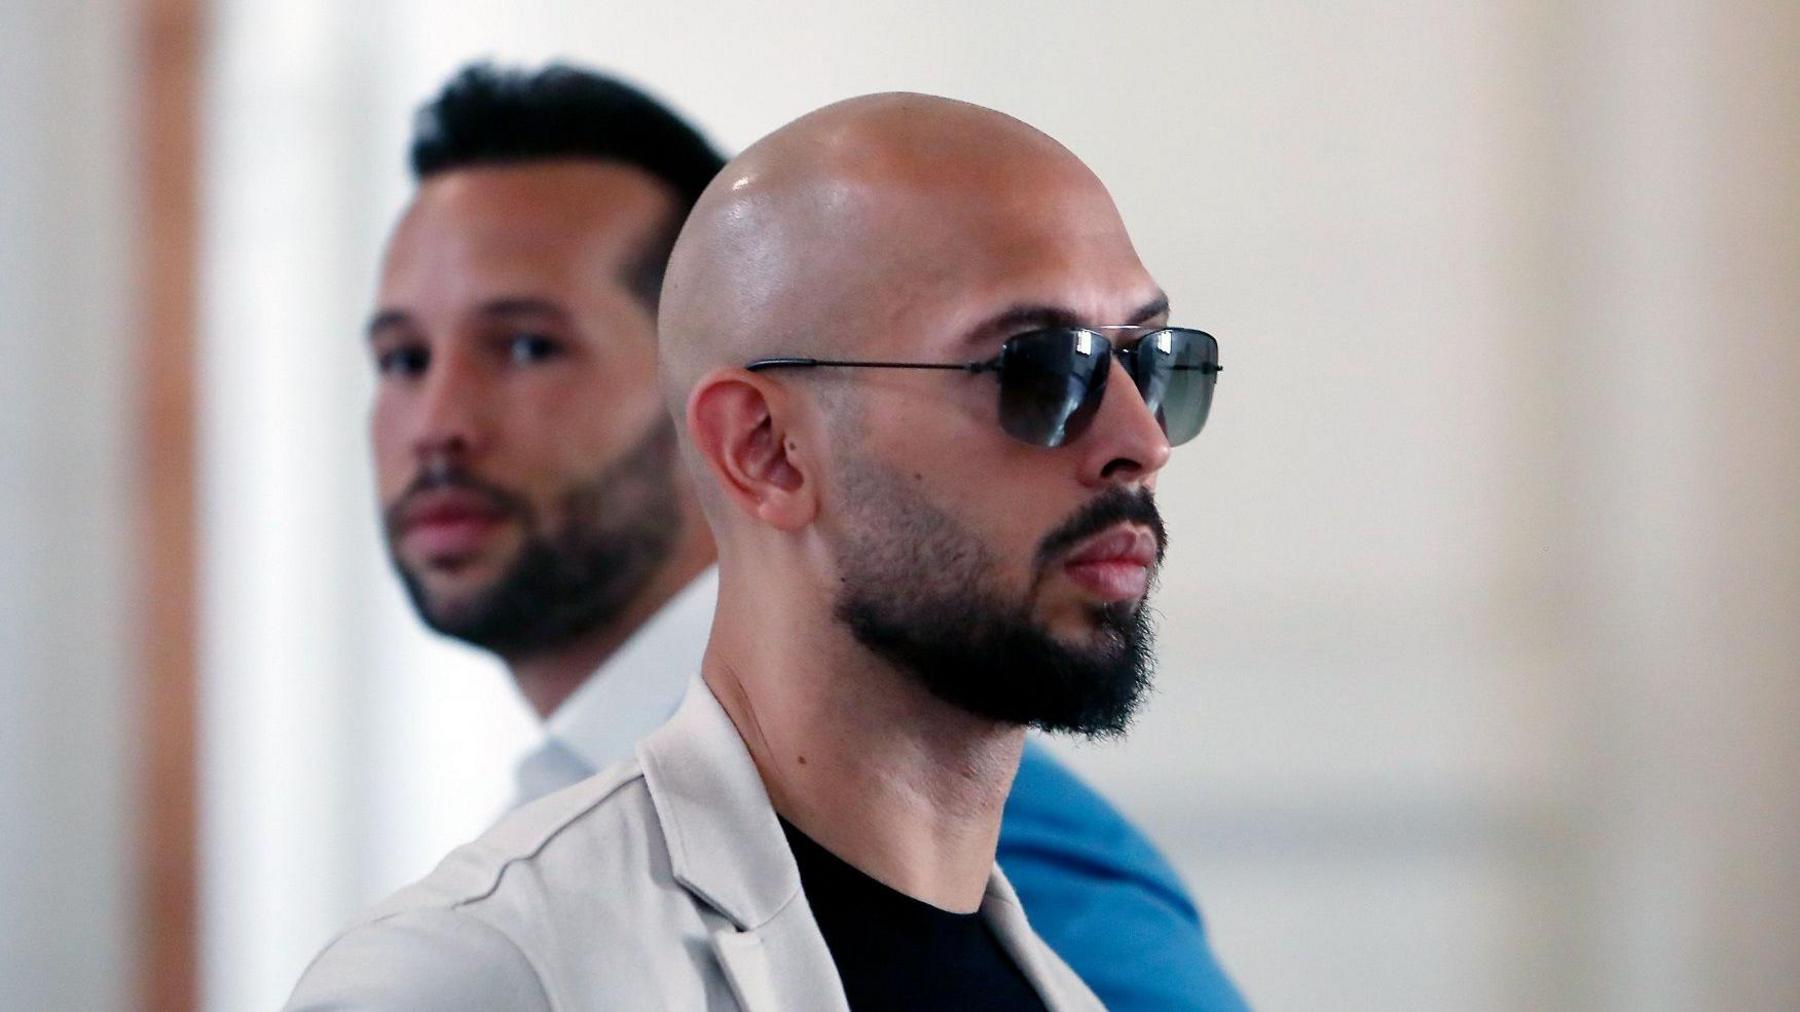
(909, 576)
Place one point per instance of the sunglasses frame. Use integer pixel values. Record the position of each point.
(997, 363)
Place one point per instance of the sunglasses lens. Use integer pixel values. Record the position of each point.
(1175, 371)
(1051, 382)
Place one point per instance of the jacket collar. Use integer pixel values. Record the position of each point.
(726, 846)
(1055, 982)
(725, 843)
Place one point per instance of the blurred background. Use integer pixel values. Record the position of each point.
(1481, 641)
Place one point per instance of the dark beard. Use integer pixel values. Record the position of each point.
(913, 593)
(618, 530)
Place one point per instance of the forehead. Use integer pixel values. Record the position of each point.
(1051, 241)
(545, 226)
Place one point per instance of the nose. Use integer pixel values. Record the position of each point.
(447, 421)
(1124, 445)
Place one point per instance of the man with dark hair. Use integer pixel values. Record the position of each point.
(534, 507)
(487, 116)
(526, 470)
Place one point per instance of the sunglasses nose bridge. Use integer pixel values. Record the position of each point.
(1128, 366)
(1051, 412)
(1127, 344)
(1123, 438)
(1136, 365)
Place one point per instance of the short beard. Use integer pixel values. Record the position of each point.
(619, 528)
(914, 593)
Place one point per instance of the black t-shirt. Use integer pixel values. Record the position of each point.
(896, 952)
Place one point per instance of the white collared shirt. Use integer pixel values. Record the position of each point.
(633, 693)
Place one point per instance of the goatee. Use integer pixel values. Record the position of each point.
(914, 592)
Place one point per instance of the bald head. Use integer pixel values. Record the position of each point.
(892, 507)
(818, 238)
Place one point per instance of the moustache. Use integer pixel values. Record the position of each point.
(1114, 506)
(437, 477)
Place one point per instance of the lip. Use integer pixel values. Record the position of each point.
(1115, 564)
(447, 524)
(1124, 542)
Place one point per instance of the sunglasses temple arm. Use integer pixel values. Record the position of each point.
(815, 363)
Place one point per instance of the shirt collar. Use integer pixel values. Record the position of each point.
(641, 684)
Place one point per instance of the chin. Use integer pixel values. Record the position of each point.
(451, 591)
(1088, 624)
(445, 612)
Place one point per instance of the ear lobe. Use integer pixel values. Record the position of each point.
(737, 425)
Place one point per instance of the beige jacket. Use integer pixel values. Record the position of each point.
(660, 883)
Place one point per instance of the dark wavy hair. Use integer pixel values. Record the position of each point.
(488, 115)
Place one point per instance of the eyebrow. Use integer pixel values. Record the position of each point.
(386, 319)
(513, 305)
(522, 305)
(1027, 316)
(1156, 307)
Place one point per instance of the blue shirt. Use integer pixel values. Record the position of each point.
(1098, 892)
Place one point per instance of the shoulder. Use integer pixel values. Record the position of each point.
(1052, 816)
(486, 928)
(421, 959)
(1100, 895)
(604, 814)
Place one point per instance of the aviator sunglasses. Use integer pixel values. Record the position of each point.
(1052, 380)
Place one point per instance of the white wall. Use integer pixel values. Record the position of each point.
(65, 513)
(1685, 491)
(1479, 656)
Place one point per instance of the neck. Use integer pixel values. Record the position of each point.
(549, 678)
(859, 757)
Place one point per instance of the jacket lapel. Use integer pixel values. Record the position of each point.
(1055, 983)
(782, 965)
(746, 966)
(727, 848)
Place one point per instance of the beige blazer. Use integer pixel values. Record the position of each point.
(660, 883)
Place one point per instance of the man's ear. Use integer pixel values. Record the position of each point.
(738, 422)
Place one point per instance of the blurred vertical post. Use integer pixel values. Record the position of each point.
(168, 109)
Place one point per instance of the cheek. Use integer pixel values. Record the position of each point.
(388, 448)
(957, 455)
(584, 427)
(1013, 521)
(996, 504)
